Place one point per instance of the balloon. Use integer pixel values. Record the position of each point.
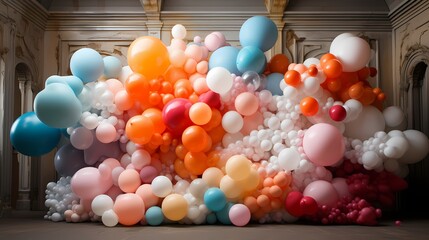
(161, 186)
(99, 151)
(273, 83)
(130, 209)
(57, 106)
(251, 58)
(210, 98)
(232, 122)
(309, 106)
(214, 199)
(146, 194)
(86, 64)
(418, 148)
(154, 216)
(195, 138)
(337, 113)
(112, 67)
(200, 113)
(246, 103)
(72, 81)
(148, 173)
(323, 144)
(81, 138)
(109, 218)
(212, 176)
(219, 80)
(155, 115)
(333, 68)
(137, 87)
(239, 215)
(225, 57)
(106, 132)
(338, 39)
(354, 53)
(393, 116)
(258, 31)
(140, 129)
(323, 192)
(175, 115)
(292, 78)
(279, 63)
(238, 167)
(174, 207)
(178, 31)
(289, 159)
(252, 78)
(68, 160)
(195, 162)
(197, 188)
(101, 204)
(88, 182)
(341, 186)
(148, 56)
(32, 137)
(369, 121)
(129, 181)
(223, 214)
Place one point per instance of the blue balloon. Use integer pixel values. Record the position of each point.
(112, 67)
(211, 218)
(251, 58)
(258, 31)
(214, 199)
(273, 83)
(68, 160)
(87, 64)
(225, 57)
(223, 214)
(72, 81)
(154, 216)
(32, 137)
(57, 106)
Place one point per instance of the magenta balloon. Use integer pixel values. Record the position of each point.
(323, 192)
(323, 144)
(175, 115)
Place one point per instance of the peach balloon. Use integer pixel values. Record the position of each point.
(123, 101)
(212, 176)
(200, 113)
(202, 67)
(200, 86)
(194, 51)
(246, 104)
(174, 207)
(148, 56)
(177, 57)
(130, 209)
(190, 66)
(129, 180)
(146, 194)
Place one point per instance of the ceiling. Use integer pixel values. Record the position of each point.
(218, 5)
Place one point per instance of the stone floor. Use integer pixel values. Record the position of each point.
(30, 225)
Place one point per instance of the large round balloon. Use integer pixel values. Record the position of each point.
(57, 106)
(68, 160)
(251, 58)
(72, 81)
(323, 144)
(258, 31)
(354, 53)
(32, 137)
(148, 56)
(369, 121)
(112, 67)
(225, 57)
(86, 64)
(418, 147)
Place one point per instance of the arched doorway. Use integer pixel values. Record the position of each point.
(415, 102)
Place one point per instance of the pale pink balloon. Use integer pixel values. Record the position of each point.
(194, 51)
(301, 68)
(323, 192)
(113, 192)
(178, 44)
(112, 163)
(252, 122)
(291, 66)
(341, 187)
(195, 76)
(246, 103)
(114, 85)
(323, 144)
(221, 37)
(146, 194)
(81, 138)
(202, 67)
(213, 42)
(200, 86)
(239, 214)
(190, 66)
(123, 101)
(115, 174)
(140, 159)
(105, 132)
(129, 180)
(89, 182)
(205, 52)
(177, 57)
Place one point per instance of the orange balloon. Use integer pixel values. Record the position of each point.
(200, 113)
(334, 85)
(196, 162)
(195, 138)
(166, 87)
(155, 115)
(309, 106)
(148, 56)
(363, 73)
(180, 169)
(356, 90)
(325, 58)
(332, 68)
(137, 87)
(293, 78)
(279, 63)
(217, 134)
(312, 70)
(174, 73)
(139, 129)
(368, 96)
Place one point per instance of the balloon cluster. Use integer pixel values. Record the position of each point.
(204, 132)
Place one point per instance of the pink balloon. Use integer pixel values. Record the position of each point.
(89, 182)
(115, 174)
(140, 159)
(148, 173)
(178, 44)
(213, 42)
(341, 187)
(146, 194)
(323, 144)
(239, 214)
(323, 192)
(105, 133)
(114, 85)
(113, 192)
(194, 51)
(129, 180)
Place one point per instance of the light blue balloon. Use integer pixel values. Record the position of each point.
(223, 214)
(72, 81)
(251, 58)
(154, 216)
(87, 64)
(258, 31)
(225, 57)
(112, 67)
(273, 83)
(57, 106)
(32, 137)
(214, 199)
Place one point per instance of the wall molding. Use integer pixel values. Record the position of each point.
(407, 11)
(31, 10)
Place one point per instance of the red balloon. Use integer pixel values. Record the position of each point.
(309, 205)
(337, 113)
(293, 204)
(210, 98)
(175, 115)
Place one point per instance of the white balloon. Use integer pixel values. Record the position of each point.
(219, 80)
(371, 160)
(289, 159)
(338, 39)
(418, 147)
(161, 186)
(232, 122)
(101, 204)
(393, 116)
(197, 188)
(178, 31)
(125, 73)
(109, 218)
(369, 121)
(353, 108)
(400, 146)
(354, 53)
(229, 138)
(311, 85)
(311, 61)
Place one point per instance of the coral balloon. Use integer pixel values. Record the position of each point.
(140, 129)
(130, 209)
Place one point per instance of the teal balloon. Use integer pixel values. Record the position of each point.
(214, 199)
(251, 58)
(72, 81)
(211, 218)
(260, 32)
(112, 67)
(87, 64)
(225, 57)
(32, 137)
(154, 216)
(223, 214)
(273, 83)
(57, 106)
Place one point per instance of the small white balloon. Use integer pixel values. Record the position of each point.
(393, 116)
(109, 218)
(232, 122)
(289, 159)
(219, 80)
(178, 31)
(161, 186)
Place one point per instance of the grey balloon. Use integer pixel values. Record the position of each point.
(68, 160)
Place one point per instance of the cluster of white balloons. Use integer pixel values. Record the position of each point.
(59, 198)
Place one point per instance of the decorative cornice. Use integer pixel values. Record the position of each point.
(90, 21)
(30, 9)
(331, 21)
(407, 11)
